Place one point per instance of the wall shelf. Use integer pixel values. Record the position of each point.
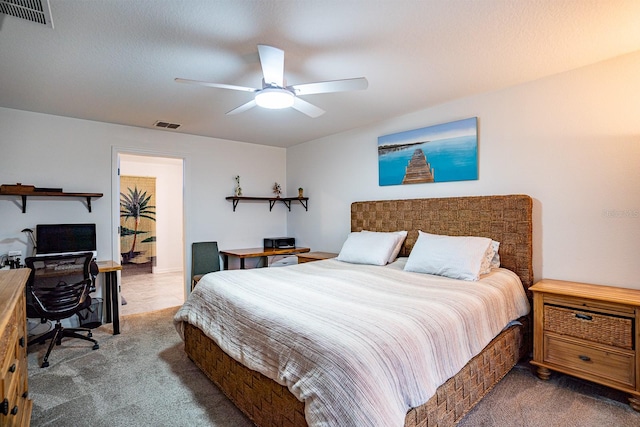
(25, 191)
(272, 201)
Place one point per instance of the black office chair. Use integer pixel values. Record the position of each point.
(59, 288)
(205, 258)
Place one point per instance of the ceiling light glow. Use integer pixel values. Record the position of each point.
(274, 98)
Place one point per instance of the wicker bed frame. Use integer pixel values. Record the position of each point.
(507, 219)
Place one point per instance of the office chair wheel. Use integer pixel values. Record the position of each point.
(89, 334)
(96, 346)
(44, 364)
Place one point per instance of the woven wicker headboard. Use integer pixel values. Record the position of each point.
(506, 219)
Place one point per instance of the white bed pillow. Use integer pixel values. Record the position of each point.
(495, 262)
(368, 248)
(400, 236)
(491, 258)
(457, 257)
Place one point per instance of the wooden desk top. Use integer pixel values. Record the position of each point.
(259, 252)
(108, 266)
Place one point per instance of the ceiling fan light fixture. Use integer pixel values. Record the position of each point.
(274, 98)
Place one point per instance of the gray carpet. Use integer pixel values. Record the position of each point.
(143, 378)
(523, 400)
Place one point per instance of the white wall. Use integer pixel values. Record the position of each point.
(168, 201)
(571, 141)
(78, 155)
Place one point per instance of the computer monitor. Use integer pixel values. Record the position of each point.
(54, 239)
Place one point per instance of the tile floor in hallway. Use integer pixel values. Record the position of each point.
(150, 292)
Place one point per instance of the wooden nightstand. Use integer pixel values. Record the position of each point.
(315, 256)
(588, 331)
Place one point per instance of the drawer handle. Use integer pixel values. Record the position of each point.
(12, 368)
(14, 411)
(4, 407)
(583, 316)
(21, 342)
(584, 358)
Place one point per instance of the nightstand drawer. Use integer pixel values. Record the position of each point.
(595, 362)
(595, 327)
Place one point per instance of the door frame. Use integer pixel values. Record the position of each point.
(115, 201)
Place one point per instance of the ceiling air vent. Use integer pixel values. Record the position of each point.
(37, 11)
(166, 125)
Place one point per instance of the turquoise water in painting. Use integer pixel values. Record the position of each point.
(452, 159)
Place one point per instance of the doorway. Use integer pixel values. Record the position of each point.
(151, 232)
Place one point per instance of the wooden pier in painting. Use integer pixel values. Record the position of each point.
(418, 170)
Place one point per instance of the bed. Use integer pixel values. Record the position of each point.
(506, 219)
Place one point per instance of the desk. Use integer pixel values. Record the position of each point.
(112, 310)
(257, 253)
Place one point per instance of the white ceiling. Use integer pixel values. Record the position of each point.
(115, 60)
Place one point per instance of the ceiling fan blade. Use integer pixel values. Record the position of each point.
(344, 85)
(243, 107)
(307, 108)
(272, 61)
(218, 85)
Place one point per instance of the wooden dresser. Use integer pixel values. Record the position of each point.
(590, 332)
(15, 406)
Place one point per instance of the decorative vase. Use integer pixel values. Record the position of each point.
(300, 193)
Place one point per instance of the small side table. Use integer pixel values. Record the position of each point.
(315, 256)
(588, 331)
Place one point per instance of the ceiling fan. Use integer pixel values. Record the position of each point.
(275, 95)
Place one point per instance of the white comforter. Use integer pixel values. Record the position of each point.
(360, 345)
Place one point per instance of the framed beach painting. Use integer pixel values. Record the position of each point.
(439, 153)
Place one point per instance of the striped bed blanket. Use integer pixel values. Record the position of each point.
(360, 345)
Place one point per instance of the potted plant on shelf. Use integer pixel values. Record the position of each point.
(238, 190)
(277, 190)
(300, 192)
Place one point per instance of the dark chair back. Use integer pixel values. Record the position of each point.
(205, 258)
(59, 285)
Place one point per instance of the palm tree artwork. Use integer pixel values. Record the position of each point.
(135, 205)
